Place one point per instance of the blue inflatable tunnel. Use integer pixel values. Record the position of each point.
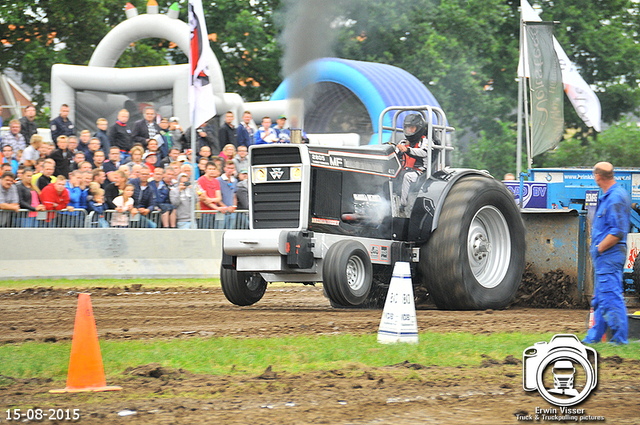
(348, 96)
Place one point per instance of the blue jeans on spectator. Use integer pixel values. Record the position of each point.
(144, 222)
(185, 225)
(230, 220)
(207, 220)
(219, 222)
(28, 222)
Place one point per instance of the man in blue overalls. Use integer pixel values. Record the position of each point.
(608, 250)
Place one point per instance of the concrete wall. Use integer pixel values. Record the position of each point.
(109, 253)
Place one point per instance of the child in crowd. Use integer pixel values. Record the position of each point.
(93, 188)
(124, 208)
(97, 205)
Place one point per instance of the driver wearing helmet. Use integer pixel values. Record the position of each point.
(412, 152)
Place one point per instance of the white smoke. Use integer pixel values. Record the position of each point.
(307, 36)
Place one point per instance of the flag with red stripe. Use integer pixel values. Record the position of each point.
(201, 97)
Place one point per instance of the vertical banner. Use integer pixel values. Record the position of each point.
(201, 99)
(582, 97)
(545, 83)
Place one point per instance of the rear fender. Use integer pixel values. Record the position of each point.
(428, 205)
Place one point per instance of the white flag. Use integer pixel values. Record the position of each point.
(583, 99)
(201, 98)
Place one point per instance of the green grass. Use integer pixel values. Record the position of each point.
(219, 356)
(88, 283)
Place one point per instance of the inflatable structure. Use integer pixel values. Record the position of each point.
(342, 96)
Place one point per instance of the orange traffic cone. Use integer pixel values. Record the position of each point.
(592, 323)
(86, 372)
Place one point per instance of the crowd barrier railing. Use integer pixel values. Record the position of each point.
(36, 219)
(208, 219)
(80, 218)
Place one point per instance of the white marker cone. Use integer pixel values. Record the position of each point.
(398, 323)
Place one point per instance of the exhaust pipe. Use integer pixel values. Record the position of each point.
(296, 136)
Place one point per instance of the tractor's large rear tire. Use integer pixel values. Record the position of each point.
(242, 288)
(475, 257)
(347, 273)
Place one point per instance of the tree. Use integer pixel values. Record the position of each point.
(38, 34)
(618, 144)
(466, 70)
(466, 52)
(243, 35)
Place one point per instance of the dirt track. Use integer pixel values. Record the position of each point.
(400, 394)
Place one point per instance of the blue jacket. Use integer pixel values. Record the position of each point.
(243, 137)
(105, 143)
(98, 208)
(611, 218)
(61, 127)
(162, 192)
(77, 196)
(143, 198)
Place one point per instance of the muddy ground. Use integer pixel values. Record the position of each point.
(395, 394)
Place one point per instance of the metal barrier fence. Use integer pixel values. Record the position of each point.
(26, 218)
(111, 218)
(206, 219)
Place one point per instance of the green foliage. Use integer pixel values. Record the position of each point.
(57, 31)
(459, 50)
(466, 52)
(243, 37)
(494, 151)
(602, 38)
(618, 144)
(143, 53)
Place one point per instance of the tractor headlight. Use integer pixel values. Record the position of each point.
(259, 175)
(296, 173)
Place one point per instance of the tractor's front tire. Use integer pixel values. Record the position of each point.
(242, 288)
(347, 273)
(475, 257)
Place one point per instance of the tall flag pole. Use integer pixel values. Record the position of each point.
(201, 99)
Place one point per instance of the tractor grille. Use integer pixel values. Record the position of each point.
(276, 155)
(276, 205)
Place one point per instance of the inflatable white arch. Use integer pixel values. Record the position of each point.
(102, 89)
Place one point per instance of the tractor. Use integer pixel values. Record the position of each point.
(333, 215)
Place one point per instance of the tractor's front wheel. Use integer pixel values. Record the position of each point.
(475, 257)
(347, 273)
(242, 288)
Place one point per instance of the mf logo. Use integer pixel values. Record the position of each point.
(563, 371)
(276, 173)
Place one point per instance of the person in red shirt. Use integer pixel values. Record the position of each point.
(55, 197)
(209, 195)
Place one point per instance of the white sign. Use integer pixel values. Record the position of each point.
(398, 323)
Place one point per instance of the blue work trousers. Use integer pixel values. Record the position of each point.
(608, 302)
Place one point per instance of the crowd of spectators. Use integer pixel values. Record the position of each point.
(128, 172)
